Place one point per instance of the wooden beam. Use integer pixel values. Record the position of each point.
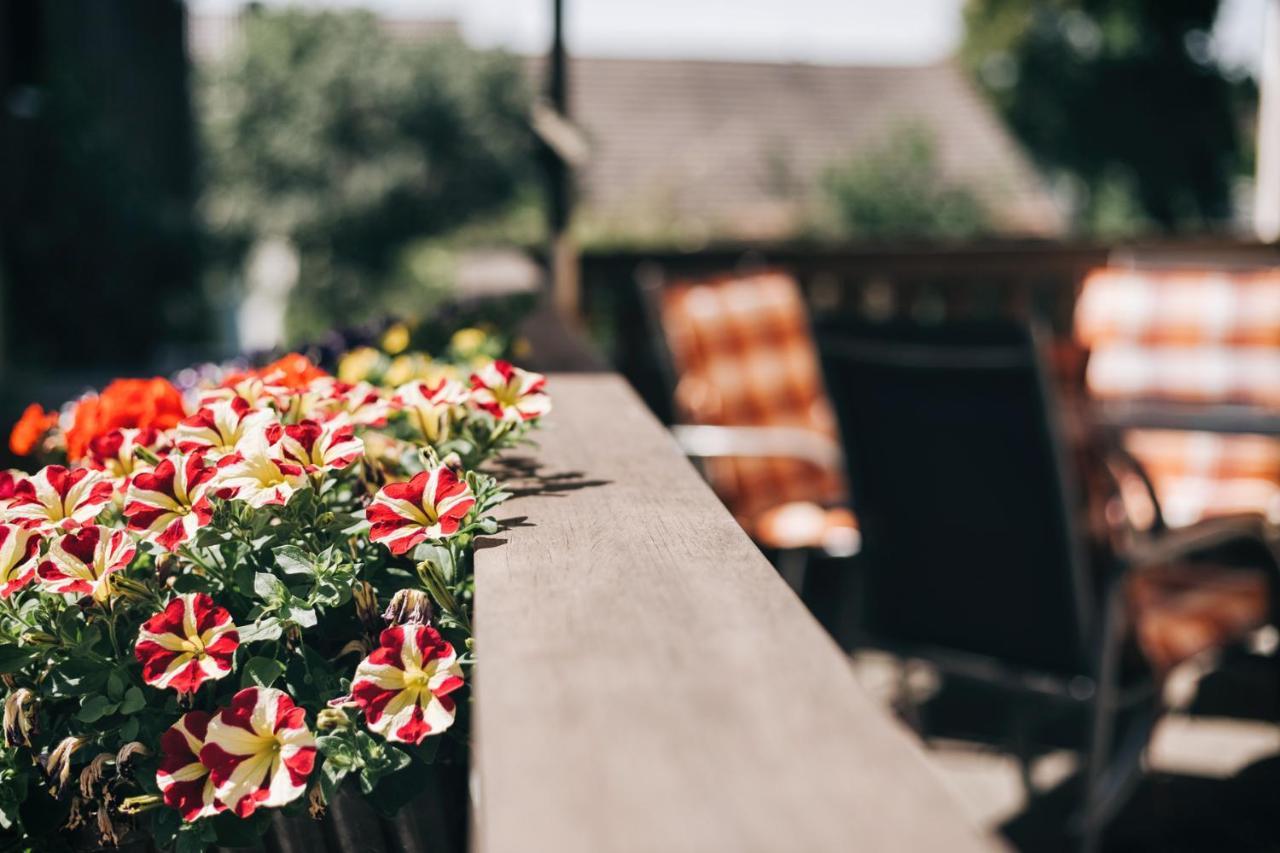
(650, 683)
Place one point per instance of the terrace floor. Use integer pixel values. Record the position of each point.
(1213, 771)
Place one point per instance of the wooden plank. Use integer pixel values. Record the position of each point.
(650, 683)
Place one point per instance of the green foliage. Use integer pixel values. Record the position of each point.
(356, 147)
(898, 190)
(1119, 99)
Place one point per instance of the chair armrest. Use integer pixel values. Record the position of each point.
(702, 441)
(1179, 542)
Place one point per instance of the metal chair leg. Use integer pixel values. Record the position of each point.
(1103, 724)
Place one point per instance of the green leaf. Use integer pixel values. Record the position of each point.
(292, 560)
(263, 630)
(77, 677)
(115, 687)
(303, 617)
(95, 708)
(133, 702)
(260, 672)
(190, 583)
(269, 587)
(13, 658)
(129, 730)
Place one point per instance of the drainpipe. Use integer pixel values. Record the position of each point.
(1266, 216)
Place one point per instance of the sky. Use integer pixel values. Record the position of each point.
(821, 31)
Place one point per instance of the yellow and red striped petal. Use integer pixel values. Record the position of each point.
(19, 549)
(188, 643)
(81, 563)
(259, 751)
(328, 446)
(184, 782)
(403, 687)
(257, 474)
(56, 499)
(167, 505)
(509, 393)
(432, 506)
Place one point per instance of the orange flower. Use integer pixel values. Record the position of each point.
(125, 403)
(294, 371)
(30, 429)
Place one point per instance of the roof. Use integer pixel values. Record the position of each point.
(725, 148)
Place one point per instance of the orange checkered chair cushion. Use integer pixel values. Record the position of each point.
(743, 356)
(1189, 336)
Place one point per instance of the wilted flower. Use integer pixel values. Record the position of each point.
(431, 408)
(315, 446)
(19, 717)
(188, 643)
(219, 426)
(184, 781)
(409, 606)
(257, 474)
(169, 504)
(259, 750)
(509, 393)
(81, 563)
(19, 549)
(403, 687)
(430, 506)
(57, 765)
(56, 499)
(366, 599)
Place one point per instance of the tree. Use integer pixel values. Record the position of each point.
(1120, 97)
(324, 131)
(897, 190)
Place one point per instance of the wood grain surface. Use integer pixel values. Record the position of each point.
(649, 683)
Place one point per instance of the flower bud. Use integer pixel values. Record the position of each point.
(332, 718)
(367, 607)
(39, 638)
(19, 717)
(140, 804)
(325, 519)
(409, 606)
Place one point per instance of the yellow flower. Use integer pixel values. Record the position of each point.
(467, 341)
(406, 368)
(359, 364)
(396, 339)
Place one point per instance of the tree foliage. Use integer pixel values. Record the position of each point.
(898, 190)
(324, 130)
(1121, 97)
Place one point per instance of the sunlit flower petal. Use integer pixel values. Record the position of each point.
(431, 407)
(218, 427)
(509, 393)
(403, 687)
(116, 453)
(258, 474)
(56, 499)
(81, 563)
(184, 782)
(188, 643)
(316, 446)
(430, 506)
(169, 504)
(259, 750)
(19, 549)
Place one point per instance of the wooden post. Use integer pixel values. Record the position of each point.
(562, 253)
(1267, 184)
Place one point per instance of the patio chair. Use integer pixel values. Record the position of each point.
(975, 549)
(1190, 338)
(750, 407)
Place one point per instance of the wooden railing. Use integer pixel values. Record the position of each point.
(649, 681)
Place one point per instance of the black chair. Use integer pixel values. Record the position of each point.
(975, 560)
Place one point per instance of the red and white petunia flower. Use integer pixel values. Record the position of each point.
(184, 782)
(363, 403)
(167, 505)
(217, 428)
(116, 453)
(188, 643)
(248, 387)
(328, 446)
(19, 552)
(403, 687)
(259, 750)
(509, 393)
(431, 408)
(81, 563)
(55, 499)
(258, 474)
(430, 506)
